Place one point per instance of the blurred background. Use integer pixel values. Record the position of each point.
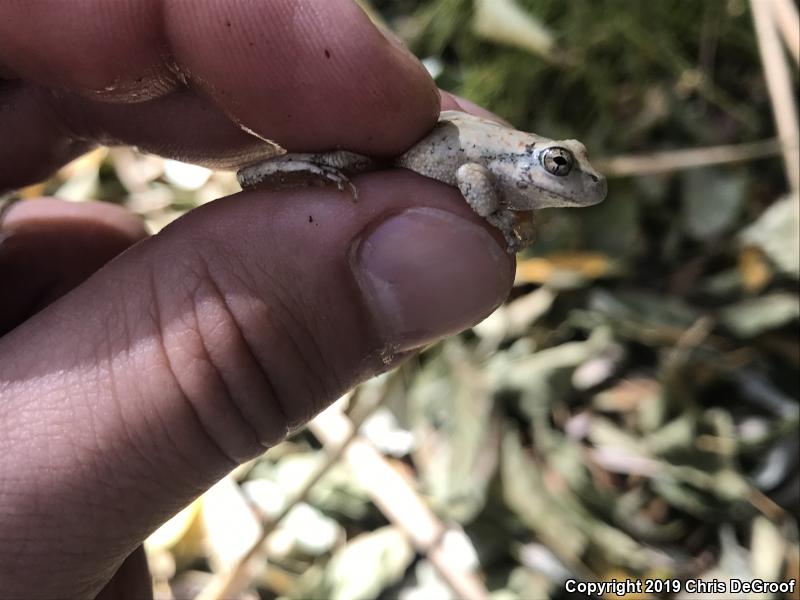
(630, 412)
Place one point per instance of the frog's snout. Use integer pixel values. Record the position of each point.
(595, 187)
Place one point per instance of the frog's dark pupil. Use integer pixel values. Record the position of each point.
(557, 161)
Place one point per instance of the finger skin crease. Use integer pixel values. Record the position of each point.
(119, 386)
(275, 318)
(174, 372)
(320, 377)
(241, 343)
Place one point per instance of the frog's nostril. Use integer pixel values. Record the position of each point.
(595, 178)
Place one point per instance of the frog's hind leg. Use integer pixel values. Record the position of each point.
(288, 169)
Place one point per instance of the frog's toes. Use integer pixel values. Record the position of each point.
(336, 177)
(513, 243)
(503, 220)
(327, 174)
(517, 230)
(343, 182)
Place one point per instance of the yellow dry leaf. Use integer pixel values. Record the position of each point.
(754, 269)
(583, 265)
(182, 535)
(85, 162)
(32, 191)
(90, 160)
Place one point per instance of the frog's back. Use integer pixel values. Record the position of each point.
(437, 155)
(460, 138)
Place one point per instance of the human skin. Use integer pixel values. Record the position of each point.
(135, 371)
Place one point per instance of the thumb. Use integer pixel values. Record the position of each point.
(199, 347)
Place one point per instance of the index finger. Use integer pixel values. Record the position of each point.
(309, 74)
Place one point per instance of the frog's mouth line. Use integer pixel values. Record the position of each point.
(590, 195)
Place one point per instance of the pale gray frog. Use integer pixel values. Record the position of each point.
(503, 174)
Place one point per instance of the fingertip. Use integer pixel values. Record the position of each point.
(422, 284)
(49, 246)
(53, 213)
(313, 76)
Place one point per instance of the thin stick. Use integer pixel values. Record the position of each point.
(779, 85)
(787, 21)
(395, 496)
(766, 505)
(233, 581)
(675, 160)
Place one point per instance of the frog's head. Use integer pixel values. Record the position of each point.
(559, 175)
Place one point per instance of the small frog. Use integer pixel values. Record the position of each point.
(503, 174)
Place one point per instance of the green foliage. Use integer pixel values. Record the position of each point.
(681, 71)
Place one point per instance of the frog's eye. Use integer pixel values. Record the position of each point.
(557, 161)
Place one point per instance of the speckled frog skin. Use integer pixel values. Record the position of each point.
(503, 174)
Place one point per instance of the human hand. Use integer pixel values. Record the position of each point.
(128, 387)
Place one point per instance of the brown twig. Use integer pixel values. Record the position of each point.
(779, 85)
(766, 505)
(675, 160)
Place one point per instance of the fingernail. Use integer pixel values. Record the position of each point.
(427, 273)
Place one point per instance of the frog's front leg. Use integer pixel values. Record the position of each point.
(476, 183)
(299, 168)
